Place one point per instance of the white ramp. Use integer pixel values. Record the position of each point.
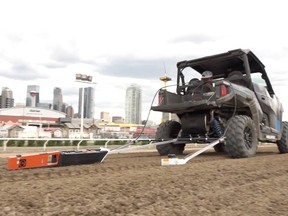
(182, 161)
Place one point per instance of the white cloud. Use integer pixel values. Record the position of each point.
(48, 42)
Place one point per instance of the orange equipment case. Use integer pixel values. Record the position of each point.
(57, 158)
(33, 161)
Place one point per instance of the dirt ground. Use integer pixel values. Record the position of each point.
(136, 184)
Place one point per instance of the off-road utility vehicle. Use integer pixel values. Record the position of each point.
(231, 97)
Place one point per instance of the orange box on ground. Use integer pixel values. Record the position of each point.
(33, 161)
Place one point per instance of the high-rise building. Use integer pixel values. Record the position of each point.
(57, 99)
(63, 108)
(69, 112)
(133, 104)
(88, 111)
(7, 100)
(32, 95)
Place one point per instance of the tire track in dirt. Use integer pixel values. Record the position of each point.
(111, 164)
(133, 184)
(63, 172)
(39, 174)
(238, 190)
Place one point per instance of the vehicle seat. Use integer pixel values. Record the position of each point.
(237, 78)
(193, 86)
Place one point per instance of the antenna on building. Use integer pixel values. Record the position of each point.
(165, 78)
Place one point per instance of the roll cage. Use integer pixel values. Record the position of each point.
(222, 65)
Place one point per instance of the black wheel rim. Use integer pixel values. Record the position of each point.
(248, 138)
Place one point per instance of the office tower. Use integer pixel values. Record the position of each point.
(32, 95)
(88, 102)
(69, 112)
(7, 100)
(57, 99)
(63, 108)
(133, 105)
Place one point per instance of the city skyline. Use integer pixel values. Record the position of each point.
(89, 92)
(56, 103)
(50, 50)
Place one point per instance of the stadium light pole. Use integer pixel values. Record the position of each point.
(83, 79)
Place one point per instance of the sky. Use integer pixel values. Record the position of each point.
(123, 42)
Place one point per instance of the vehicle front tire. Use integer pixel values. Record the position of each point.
(166, 131)
(283, 142)
(241, 137)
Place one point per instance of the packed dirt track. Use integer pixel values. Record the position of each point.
(136, 184)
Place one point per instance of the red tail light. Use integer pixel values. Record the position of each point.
(224, 90)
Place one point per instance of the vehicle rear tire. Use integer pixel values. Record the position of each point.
(241, 137)
(169, 130)
(283, 142)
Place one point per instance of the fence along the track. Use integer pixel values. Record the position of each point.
(46, 140)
